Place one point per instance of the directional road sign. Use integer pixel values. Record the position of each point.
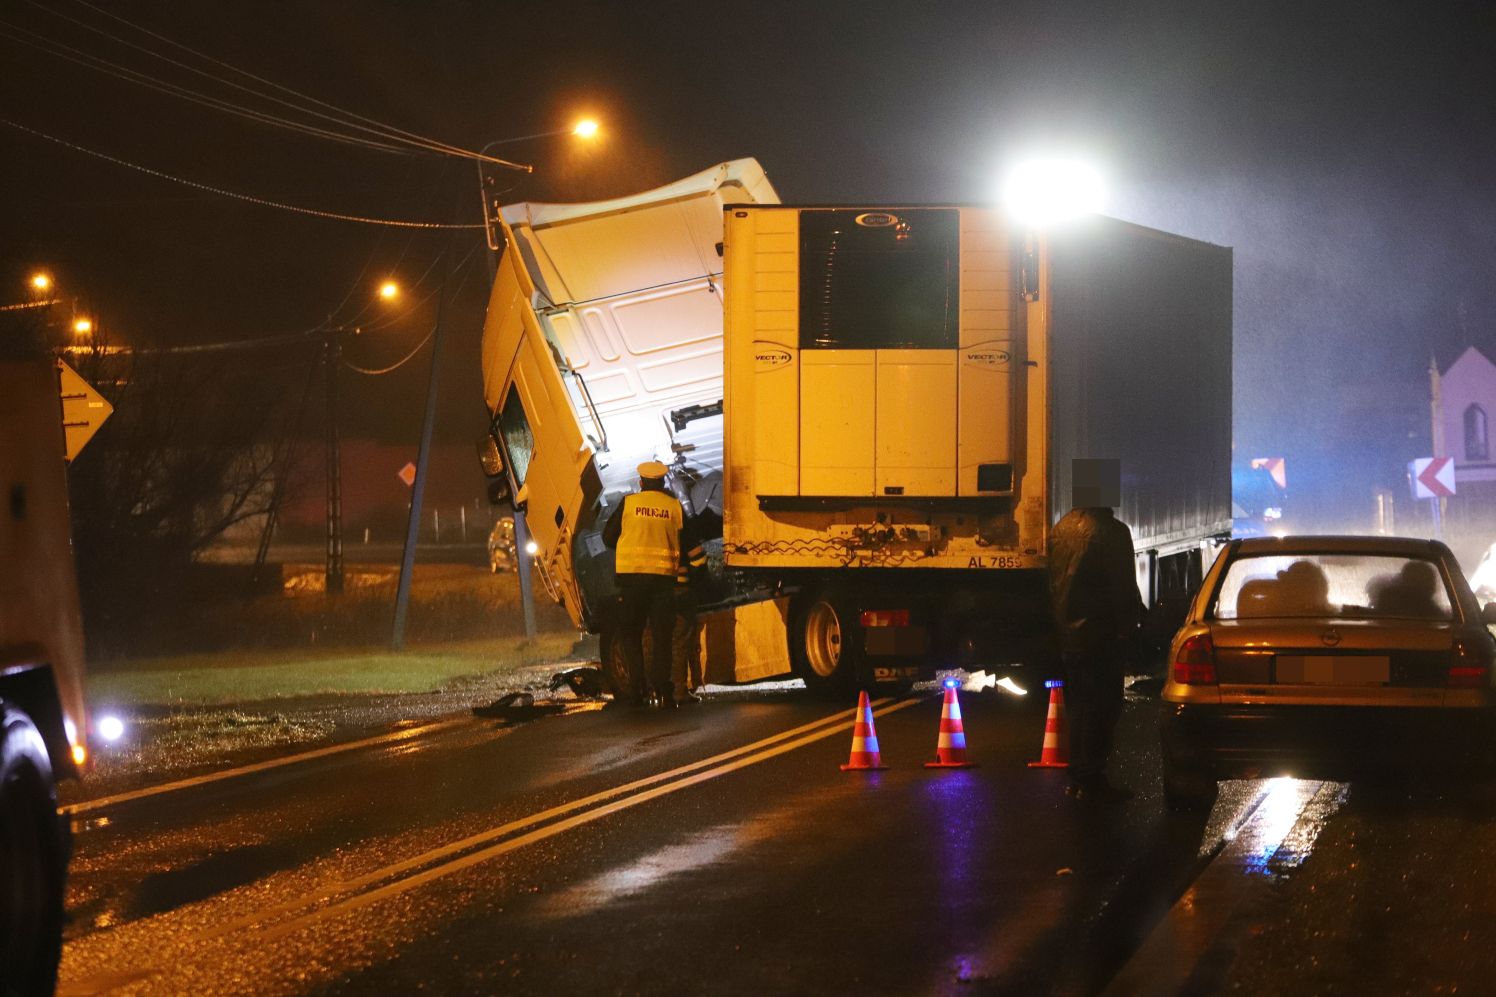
(83, 409)
(407, 474)
(1433, 477)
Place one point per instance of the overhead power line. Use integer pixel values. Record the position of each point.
(262, 201)
(375, 372)
(79, 57)
(340, 115)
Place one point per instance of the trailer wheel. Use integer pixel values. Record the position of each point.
(31, 860)
(826, 644)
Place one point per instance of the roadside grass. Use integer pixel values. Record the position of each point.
(228, 677)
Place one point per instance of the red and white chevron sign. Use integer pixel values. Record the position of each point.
(1433, 477)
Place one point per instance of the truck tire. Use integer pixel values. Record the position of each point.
(615, 669)
(826, 643)
(32, 860)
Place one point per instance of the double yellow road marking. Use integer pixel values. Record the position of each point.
(343, 896)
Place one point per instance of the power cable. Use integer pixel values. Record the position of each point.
(349, 119)
(77, 56)
(397, 364)
(263, 202)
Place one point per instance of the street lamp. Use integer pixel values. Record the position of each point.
(41, 282)
(82, 326)
(586, 128)
(332, 358)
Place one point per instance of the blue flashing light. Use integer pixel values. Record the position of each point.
(951, 683)
(1053, 684)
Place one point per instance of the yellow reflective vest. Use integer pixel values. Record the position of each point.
(649, 543)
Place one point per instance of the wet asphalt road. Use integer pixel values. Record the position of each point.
(717, 849)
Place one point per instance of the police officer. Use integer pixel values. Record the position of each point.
(646, 531)
(1094, 593)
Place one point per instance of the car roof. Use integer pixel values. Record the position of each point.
(1343, 544)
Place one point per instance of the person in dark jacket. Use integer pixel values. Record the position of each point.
(1094, 594)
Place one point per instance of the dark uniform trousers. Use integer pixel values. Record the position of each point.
(648, 600)
(1094, 677)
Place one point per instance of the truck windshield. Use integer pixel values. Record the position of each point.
(519, 440)
(874, 280)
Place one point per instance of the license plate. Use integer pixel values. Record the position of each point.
(1325, 669)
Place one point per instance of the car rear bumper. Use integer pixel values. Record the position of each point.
(1329, 742)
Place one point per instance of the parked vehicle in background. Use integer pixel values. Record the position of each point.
(42, 713)
(1328, 657)
(501, 551)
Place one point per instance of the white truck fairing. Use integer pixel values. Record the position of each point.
(603, 348)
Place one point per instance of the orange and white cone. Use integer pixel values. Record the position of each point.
(1056, 754)
(865, 756)
(950, 750)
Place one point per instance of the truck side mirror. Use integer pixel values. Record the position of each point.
(498, 491)
(1488, 614)
(489, 457)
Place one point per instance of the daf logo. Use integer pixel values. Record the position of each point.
(768, 357)
(1330, 637)
(876, 219)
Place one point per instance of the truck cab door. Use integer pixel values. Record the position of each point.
(545, 453)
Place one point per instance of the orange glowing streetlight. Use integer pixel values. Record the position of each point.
(83, 326)
(586, 128)
(389, 291)
(41, 282)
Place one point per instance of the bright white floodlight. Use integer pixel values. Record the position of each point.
(1046, 191)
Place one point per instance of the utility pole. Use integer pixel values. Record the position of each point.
(423, 457)
(332, 354)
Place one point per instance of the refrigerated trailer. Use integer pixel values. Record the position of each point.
(882, 421)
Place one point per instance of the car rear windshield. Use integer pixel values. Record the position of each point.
(1348, 586)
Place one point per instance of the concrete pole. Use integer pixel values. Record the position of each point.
(423, 457)
(333, 356)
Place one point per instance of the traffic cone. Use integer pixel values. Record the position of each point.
(1056, 754)
(950, 750)
(865, 756)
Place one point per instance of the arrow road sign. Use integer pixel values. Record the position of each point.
(1433, 477)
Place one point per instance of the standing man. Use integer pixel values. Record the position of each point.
(1094, 593)
(646, 532)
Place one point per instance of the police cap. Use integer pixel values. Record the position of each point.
(653, 469)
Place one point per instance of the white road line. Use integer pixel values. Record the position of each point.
(87, 806)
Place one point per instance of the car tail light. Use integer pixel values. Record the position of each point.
(1196, 664)
(885, 618)
(1469, 665)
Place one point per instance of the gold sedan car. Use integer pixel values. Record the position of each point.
(1328, 657)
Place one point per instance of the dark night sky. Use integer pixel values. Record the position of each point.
(1344, 150)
